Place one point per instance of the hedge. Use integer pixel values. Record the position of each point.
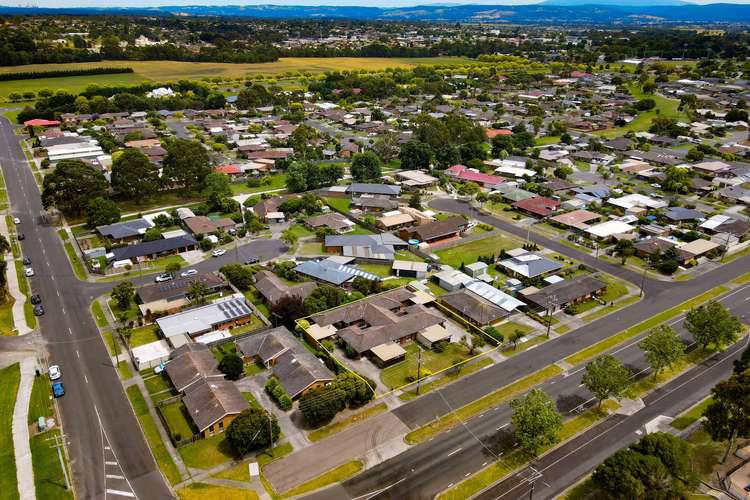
(278, 394)
(33, 75)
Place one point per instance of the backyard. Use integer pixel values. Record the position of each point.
(469, 252)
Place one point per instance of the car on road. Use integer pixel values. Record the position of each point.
(189, 272)
(251, 260)
(16, 220)
(54, 372)
(27, 261)
(58, 390)
(29, 272)
(36, 299)
(163, 277)
(21, 236)
(39, 310)
(218, 252)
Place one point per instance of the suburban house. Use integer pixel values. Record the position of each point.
(538, 206)
(273, 289)
(394, 220)
(473, 307)
(416, 179)
(333, 270)
(576, 219)
(392, 318)
(528, 264)
(173, 295)
(211, 401)
(465, 174)
(435, 233)
(223, 314)
(607, 230)
(126, 231)
(333, 221)
(202, 225)
(377, 247)
(357, 190)
(268, 210)
(565, 292)
(296, 368)
(153, 249)
(370, 204)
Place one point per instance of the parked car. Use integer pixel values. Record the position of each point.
(29, 272)
(16, 220)
(38, 310)
(189, 272)
(58, 390)
(54, 372)
(36, 299)
(163, 277)
(21, 236)
(251, 260)
(218, 252)
(27, 261)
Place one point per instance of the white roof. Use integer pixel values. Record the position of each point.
(409, 265)
(609, 228)
(151, 351)
(489, 292)
(553, 279)
(204, 318)
(636, 200)
(715, 221)
(213, 336)
(515, 171)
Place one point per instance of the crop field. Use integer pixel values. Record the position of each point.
(164, 71)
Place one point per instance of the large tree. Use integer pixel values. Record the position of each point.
(536, 421)
(253, 429)
(101, 211)
(186, 164)
(134, 177)
(606, 377)
(663, 348)
(712, 323)
(123, 293)
(366, 167)
(71, 185)
(728, 415)
(415, 155)
(231, 366)
(216, 188)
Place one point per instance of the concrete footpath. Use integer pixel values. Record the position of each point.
(19, 318)
(21, 448)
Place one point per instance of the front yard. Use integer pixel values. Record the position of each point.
(178, 420)
(471, 251)
(432, 362)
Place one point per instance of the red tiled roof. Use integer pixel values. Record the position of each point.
(494, 132)
(40, 122)
(468, 175)
(228, 169)
(540, 205)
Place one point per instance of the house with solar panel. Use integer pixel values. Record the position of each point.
(336, 271)
(223, 314)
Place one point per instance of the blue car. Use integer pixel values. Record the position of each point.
(58, 390)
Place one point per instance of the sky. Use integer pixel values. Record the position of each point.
(374, 3)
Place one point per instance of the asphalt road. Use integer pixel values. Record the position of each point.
(95, 411)
(430, 467)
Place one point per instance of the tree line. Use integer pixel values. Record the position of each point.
(32, 75)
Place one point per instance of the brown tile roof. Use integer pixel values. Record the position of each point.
(272, 288)
(438, 229)
(210, 400)
(189, 365)
(474, 307)
(566, 291)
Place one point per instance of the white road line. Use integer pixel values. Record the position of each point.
(78, 355)
(120, 492)
(63, 310)
(454, 452)
(110, 462)
(114, 476)
(86, 379)
(502, 427)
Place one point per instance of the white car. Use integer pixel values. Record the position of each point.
(54, 372)
(16, 220)
(189, 272)
(163, 277)
(218, 252)
(29, 272)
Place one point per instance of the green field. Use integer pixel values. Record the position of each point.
(165, 71)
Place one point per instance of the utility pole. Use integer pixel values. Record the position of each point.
(419, 367)
(551, 301)
(643, 278)
(270, 433)
(59, 443)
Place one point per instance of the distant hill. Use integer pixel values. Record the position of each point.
(596, 12)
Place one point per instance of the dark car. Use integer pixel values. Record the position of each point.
(27, 261)
(39, 310)
(251, 260)
(36, 299)
(21, 236)
(58, 390)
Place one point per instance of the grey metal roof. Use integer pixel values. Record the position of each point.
(387, 189)
(531, 264)
(363, 240)
(153, 247)
(125, 229)
(200, 319)
(332, 272)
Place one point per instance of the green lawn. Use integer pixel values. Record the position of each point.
(337, 475)
(123, 367)
(74, 84)
(342, 424)
(340, 204)
(432, 362)
(448, 377)
(381, 270)
(178, 420)
(78, 268)
(278, 181)
(159, 387)
(522, 346)
(143, 335)
(130, 314)
(203, 491)
(163, 458)
(98, 312)
(407, 255)
(41, 403)
(510, 327)
(301, 231)
(207, 453)
(469, 252)
(687, 418)
(10, 377)
(49, 477)
(310, 248)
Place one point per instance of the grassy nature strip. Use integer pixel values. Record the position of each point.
(482, 404)
(516, 458)
(339, 426)
(336, 475)
(606, 344)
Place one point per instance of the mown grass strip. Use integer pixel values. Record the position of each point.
(337, 475)
(49, 478)
(604, 311)
(98, 313)
(610, 342)
(492, 399)
(410, 394)
(75, 261)
(339, 426)
(741, 280)
(692, 415)
(161, 454)
(10, 378)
